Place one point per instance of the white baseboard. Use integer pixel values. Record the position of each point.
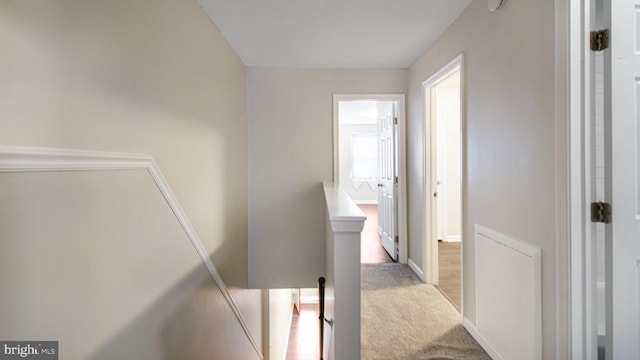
(471, 328)
(416, 269)
(453, 238)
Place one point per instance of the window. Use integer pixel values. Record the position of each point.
(364, 156)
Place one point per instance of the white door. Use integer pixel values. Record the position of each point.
(387, 182)
(440, 166)
(625, 148)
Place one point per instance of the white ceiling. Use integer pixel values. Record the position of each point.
(332, 33)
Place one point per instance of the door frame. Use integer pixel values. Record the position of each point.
(581, 298)
(430, 241)
(399, 99)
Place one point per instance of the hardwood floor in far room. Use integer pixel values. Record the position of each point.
(371, 250)
(303, 338)
(449, 271)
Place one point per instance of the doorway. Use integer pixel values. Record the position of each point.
(443, 180)
(369, 163)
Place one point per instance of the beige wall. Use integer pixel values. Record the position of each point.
(509, 177)
(290, 154)
(151, 77)
(98, 262)
(280, 316)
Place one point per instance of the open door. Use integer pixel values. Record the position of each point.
(624, 324)
(443, 191)
(388, 181)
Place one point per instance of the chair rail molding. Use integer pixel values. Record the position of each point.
(15, 159)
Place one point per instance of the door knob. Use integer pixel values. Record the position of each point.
(380, 185)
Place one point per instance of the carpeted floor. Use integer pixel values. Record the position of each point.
(404, 318)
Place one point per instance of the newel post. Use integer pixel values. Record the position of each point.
(344, 224)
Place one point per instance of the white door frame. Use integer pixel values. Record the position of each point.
(581, 251)
(430, 248)
(399, 99)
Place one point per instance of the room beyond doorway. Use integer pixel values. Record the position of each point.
(449, 272)
(443, 178)
(370, 162)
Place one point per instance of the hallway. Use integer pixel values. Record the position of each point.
(303, 338)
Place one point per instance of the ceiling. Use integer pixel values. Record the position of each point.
(332, 33)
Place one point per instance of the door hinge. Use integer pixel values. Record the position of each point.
(599, 40)
(395, 121)
(396, 239)
(395, 180)
(600, 212)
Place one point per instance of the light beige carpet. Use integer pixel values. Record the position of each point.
(404, 318)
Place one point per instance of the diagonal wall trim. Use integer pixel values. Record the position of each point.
(29, 159)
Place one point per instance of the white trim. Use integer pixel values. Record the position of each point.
(20, 159)
(471, 328)
(344, 215)
(580, 303)
(453, 238)
(416, 269)
(535, 253)
(430, 248)
(403, 253)
(520, 246)
(28, 159)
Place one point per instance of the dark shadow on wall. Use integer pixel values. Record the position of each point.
(123, 279)
(191, 321)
